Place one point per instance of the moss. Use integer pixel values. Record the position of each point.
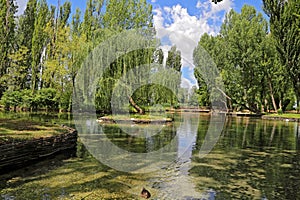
(71, 179)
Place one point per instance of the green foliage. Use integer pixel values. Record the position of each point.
(17, 73)
(38, 41)
(174, 59)
(7, 37)
(246, 56)
(44, 99)
(124, 15)
(284, 25)
(11, 99)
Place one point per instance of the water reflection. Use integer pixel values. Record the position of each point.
(254, 159)
(129, 152)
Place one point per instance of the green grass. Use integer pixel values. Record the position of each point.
(286, 115)
(21, 129)
(137, 116)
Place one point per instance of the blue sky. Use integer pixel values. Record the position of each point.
(181, 23)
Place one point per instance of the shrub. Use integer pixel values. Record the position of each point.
(11, 99)
(279, 112)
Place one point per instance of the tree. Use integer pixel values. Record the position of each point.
(64, 14)
(285, 29)
(18, 70)
(123, 15)
(174, 59)
(214, 46)
(243, 35)
(25, 31)
(76, 23)
(92, 19)
(39, 39)
(245, 55)
(7, 38)
(174, 62)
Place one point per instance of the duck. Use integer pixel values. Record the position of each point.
(145, 194)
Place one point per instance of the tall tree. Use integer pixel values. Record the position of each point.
(25, 31)
(238, 53)
(76, 23)
(7, 38)
(124, 15)
(285, 29)
(243, 34)
(174, 59)
(39, 43)
(64, 13)
(92, 19)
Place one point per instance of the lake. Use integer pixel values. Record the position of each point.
(198, 156)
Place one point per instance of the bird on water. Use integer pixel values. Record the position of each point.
(145, 194)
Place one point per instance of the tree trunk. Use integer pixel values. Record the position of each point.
(298, 103)
(272, 96)
(140, 110)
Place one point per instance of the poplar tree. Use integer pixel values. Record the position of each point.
(285, 23)
(39, 39)
(7, 38)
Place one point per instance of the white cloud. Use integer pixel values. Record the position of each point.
(186, 83)
(212, 11)
(153, 1)
(184, 30)
(21, 6)
(198, 5)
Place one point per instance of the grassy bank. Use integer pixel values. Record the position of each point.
(136, 116)
(285, 115)
(22, 129)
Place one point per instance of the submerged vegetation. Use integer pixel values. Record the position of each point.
(252, 159)
(70, 179)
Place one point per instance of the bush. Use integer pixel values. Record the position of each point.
(11, 99)
(46, 98)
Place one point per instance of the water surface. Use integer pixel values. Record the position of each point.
(252, 159)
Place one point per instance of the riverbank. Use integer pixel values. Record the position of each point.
(292, 117)
(16, 129)
(23, 142)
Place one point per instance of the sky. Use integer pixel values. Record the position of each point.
(181, 23)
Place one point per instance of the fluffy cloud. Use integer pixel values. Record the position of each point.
(185, 83)
(184, 30)
(214, 12)
(21, 6)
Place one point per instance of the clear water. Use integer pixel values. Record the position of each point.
(250, 159)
